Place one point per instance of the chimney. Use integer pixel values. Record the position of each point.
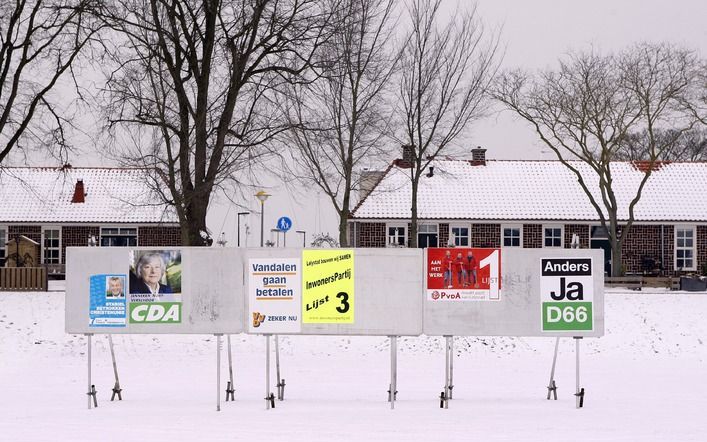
(478, 156)
(79, 193)
(367, 181)
(408, 157)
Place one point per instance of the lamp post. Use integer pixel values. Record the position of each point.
(239, 226)
(304, 237)
(262, 196)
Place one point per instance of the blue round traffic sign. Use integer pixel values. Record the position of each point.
(284, 223)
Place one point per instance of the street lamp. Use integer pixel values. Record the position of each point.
(239, 225)
(262, 196)
(304, 237)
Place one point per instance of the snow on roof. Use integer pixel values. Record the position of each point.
(537, 190)
(44, 194)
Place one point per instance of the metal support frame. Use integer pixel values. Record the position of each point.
(393, 387)
(218, 371)
(446, 394)
(91, 392)
(269, 397)
(280, 382)
(117, 391)
(230, 388)
(551, 386)
(580, 391)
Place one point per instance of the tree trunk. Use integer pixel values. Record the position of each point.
(616, 264)
(413, 217)
(196, 223)
(343, 228)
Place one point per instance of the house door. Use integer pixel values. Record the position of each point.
(600, 240)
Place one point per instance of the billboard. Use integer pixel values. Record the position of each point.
(542, 292)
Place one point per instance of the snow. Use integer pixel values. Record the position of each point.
(537, 190)
(644, 381)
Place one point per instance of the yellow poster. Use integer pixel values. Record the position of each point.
(328, 286)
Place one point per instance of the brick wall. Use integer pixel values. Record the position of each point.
(486, 235)
(641, 241)
(581, 230)
(370, 234)
(701, 248)
(76, 236)
(159, 236)
(32, 232)
(532, 236)
(443, 233)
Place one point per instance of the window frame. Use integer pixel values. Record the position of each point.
(394, 225)
(119, 227)
(461, 226)
(519, 227)
(44, 248)
(562, 235)
(693, 248)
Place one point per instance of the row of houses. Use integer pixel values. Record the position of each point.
(468, 203)
(56, 208)
(539, 204)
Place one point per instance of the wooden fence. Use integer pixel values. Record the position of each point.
(638, 282)
(17, 279)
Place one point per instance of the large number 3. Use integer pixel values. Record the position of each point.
(344, 307)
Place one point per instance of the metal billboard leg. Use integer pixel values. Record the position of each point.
(280, 381)
(269, 397)
(218, 372)
(580, 391)
(552, 387)
(393, 390)
(451, 367)
(230, 389)
(91, 388)
(117, 391)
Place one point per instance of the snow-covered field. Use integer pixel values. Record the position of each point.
(646, 380)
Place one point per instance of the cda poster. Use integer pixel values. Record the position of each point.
(328, 286)
(463, 274)
(274, 292)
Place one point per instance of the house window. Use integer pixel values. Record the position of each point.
(552, 236)
(427, 235)
(3, 246)
(51, 245)
(461, 235)
(512, 236)
(118, 236)
(685, 248)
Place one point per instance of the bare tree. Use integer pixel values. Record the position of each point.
(40, 41)
(445, 74)
(690, 145)
(586, 109)
(339, 120)
(194, 82)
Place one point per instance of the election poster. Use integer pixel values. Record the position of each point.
(155, 286)
(328, 286)
(566, 294)
(274, 295)
(107, 301)
(463, 274)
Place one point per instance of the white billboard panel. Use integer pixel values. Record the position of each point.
(541, 292)
(154, 290)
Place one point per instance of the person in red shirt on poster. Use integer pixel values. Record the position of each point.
(472, 267)
(447, 264)
(459, 270)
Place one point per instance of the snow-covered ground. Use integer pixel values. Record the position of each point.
(645, 380)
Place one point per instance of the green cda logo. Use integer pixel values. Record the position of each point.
(156, 312)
